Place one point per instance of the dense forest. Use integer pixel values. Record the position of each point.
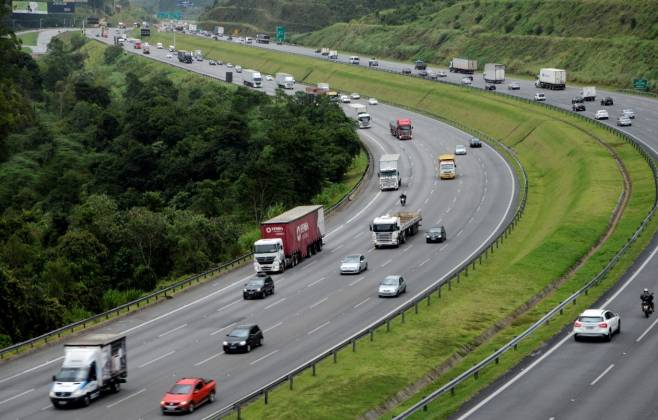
(117, 174)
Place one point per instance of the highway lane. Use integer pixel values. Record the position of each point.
(313, 307)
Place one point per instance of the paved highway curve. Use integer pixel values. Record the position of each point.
(313, 307)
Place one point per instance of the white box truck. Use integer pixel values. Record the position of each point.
(285, 81)
(333, 55)
(92, 365)
(553, 79)
(589, 93)
(360, 113)
(494, 73)
(463, 65)
(252, 78)
(389, 172)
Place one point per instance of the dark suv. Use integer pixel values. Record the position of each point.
(578, 107)
(490, 87)
(607, 101)
(243, 338)
(258, 286)
(577, 100)
(436, 234)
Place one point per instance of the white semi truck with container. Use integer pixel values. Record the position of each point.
(389, 172)
(553, 79)
(393, 229)
(92, 365)
(360, 113)
(463, 65)
(494, 73)
(285, 81)
(252, 78)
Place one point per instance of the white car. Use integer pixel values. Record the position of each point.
(601, 114)
(355, 95)
(172, 48)
(392, 286)
(373, 101)
(159, 45)
(540, 97)
(268, 77)
(170, 55)
(238, 69)
(629, 113)
(596, 323)
(624, 121)
(229, 65)
(345, 99)
(466, 81)
(460, 149)
(353, 264)
(441, 74)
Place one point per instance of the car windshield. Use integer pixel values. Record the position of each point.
(405, 128)
(256, 283)
(384, 227)
(239, 333)
(592, 319)
(389, 173)
(390, 281)
(265, 248)
(447, 166)
(435, 230)
(180, 389)
(71, 375)
(352, 259)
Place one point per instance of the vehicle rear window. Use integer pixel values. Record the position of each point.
(590, 319)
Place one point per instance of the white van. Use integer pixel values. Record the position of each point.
(159, 45)
(354, 60)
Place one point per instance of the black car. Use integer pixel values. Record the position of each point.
(475, 142)
(243, 338)
(577, 100)
(607, 101)
(317, 51)
(259, 286)
(436, 234)
(578, 107)
(490, 87)
(406, 70)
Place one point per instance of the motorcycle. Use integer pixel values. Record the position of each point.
(403, 200)
(646, 308)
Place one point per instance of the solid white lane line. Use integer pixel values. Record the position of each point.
(264, 357)
(557, 346)
(309, 265)
(317, 328)
(16, 396)
(44, 364)
(126, 398)
(156, 359)
(229, 305)
(365, 208)
(424, 262)
(275, 303)
(222, 329)
(316, 282)
(653, 324)
(602, 375)
(208, 359)
(337, 248)
(387, 262)
(278, 324)
(356, 281)
(172, 330)
(319, 302)
(361, 303)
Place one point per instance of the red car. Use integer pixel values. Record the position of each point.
(187, 395)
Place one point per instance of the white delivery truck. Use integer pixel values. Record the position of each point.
(553, 79)
(393, 229)
(333, 55)
(355, 59)
(197, 55)
(324, 51)
(92, 365)
(389, 172)
(589, 93)
(494, 73)
(360, 113)
(252, 78)
(285, 81)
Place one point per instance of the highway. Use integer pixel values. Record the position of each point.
(313, 307)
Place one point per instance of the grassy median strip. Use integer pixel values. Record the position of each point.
(574, 186)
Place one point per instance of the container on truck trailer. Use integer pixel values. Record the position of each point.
(494, 73)
(285, 81)
(554, 79)
(252, 78)
(463, 65)
(92, 365)
(360, 113)
(393, 229)
(589, 93)
(447, 166)
(389, 172)
(289, 237)
(401, 129)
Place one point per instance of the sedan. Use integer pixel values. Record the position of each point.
(466, 81)
(624, 121)
(268, 78)
(229, 65)
(628, 113)
(353, 264)
(238, 69)
(212, 62)
(187, 394)
(355, 95)
(373, 101)
(490, 87)
(243, 338)
(423, 73)
(597, 323)
(460, 149)
(601, 114)
(259, 286)
(392, 286)
(540, 97)
(441, 74)
(345, 99)
(514, 86)
(577, 107)
(436, 234)
(475, 142)
(406, 70)
(607, 101)
(169, 56)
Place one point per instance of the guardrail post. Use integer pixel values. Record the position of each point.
(450, 283)
(452, 391)
(440, 290)
(561, 311)
(402, 316)
(429, 299)
(335, 357)
(266, 395)
(416, 308)
(354, 345)
(290, 381)
(388, 325)
(475, 374)
(496, 359)
(372, 335)
(313, 369)
(237, 408)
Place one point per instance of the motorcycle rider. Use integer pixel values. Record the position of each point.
(403, 199)
(647, 296)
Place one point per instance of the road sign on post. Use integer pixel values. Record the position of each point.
(280, 33)
(641, 84)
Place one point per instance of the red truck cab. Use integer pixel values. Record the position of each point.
(188, 394)
(401, 129)
(138, 45)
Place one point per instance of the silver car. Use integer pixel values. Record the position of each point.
(392, 286)
(460, 149)
(628, 113)
(353, 264)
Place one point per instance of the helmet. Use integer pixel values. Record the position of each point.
(646, 290)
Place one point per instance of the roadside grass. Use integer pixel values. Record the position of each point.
(29, 38)
(574, 187)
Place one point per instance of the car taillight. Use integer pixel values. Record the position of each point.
(577, 324)
(603, 325)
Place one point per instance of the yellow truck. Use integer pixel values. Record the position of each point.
(447, 167)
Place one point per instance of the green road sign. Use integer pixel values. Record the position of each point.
(280, 33)
(170, 15)
(641, 84)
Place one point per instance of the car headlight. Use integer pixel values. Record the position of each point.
(259, 289)
(225, 343)
(244, 290)
(184, 402)
(243, 343)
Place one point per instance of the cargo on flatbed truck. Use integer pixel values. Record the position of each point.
(92, 365)
(463, 65)
(389, 172)
(289, 237)
(401, 129)
(393, 229)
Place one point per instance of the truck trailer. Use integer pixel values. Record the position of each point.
(185, 57)
(333, 55)
(401, 129)
(389, 172)
(92, 365)
(494, 73)
(285, 81)
(360, 113)
(553, 79)
(589, 93)
(393, 229)
(463, 65)
(252, 78)
(289, 237)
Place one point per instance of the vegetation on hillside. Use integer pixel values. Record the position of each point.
(116, 174)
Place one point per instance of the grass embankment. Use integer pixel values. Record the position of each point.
(29, 38)
(574, 186)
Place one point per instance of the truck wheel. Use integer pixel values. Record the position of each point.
(86, 401)
(116, 387)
